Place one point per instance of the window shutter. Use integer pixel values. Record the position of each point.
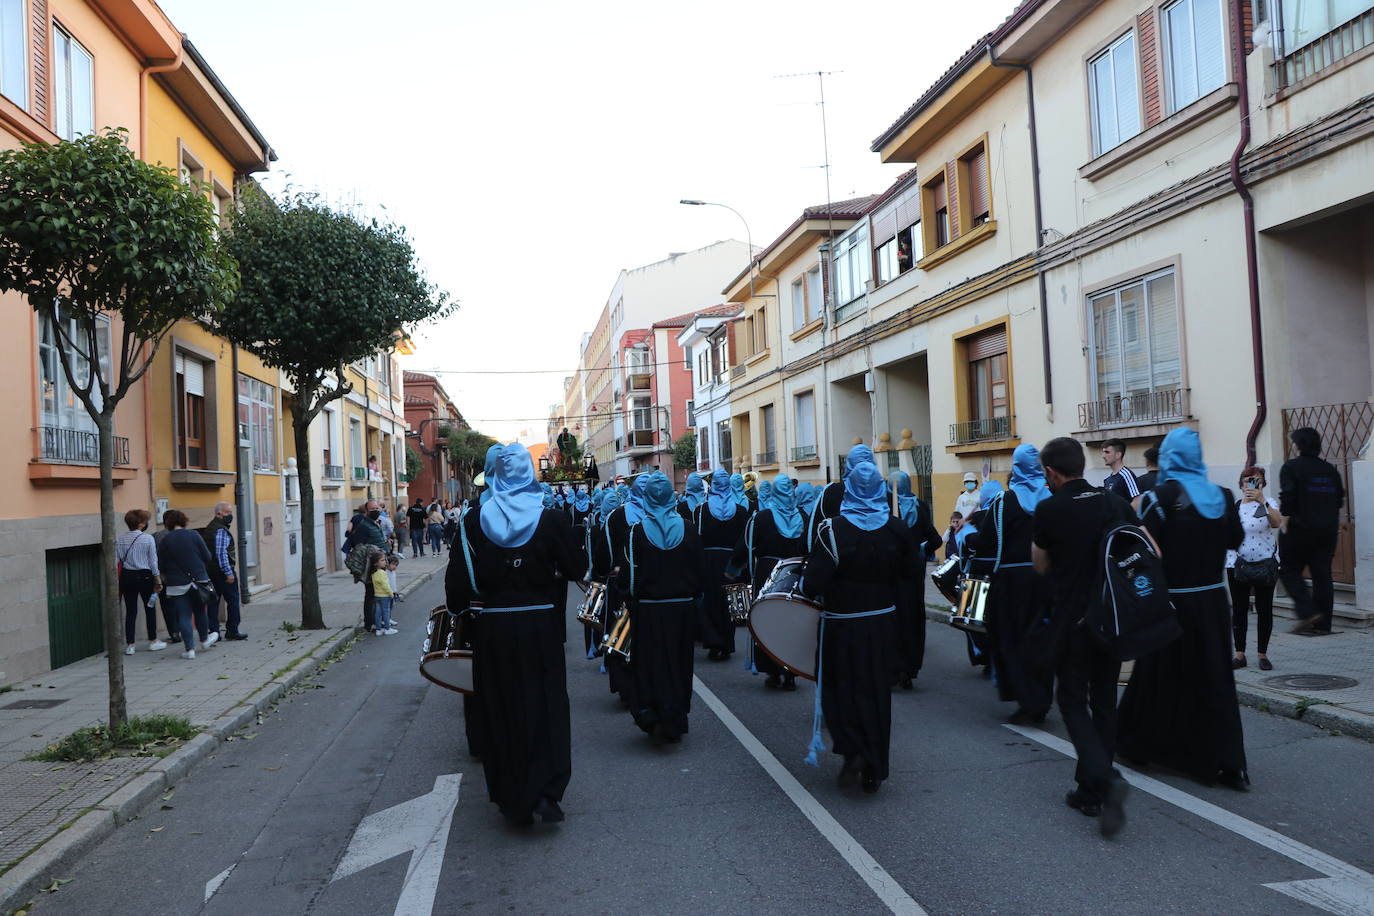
(940, 194)
(38, 92)
(884, 224)
(194, 373)
(990, 343)
(909, 206)
(978, 183)
(952, 190)
(1149, 68)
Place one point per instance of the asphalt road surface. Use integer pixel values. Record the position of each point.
(342, 802)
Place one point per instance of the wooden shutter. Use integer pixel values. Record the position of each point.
(952, 195)
(989, 343)
(38, 89)
(909, 206)
(940, 193)
(978, 183)
(1151, 90)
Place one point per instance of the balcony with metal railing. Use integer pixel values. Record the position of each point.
(976, 432)
(77, 446)
(1343, 41)
(1160, 405)
(333, 472)
(764, 459)
(803, 453)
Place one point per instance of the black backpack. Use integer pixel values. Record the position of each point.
(1129, 613)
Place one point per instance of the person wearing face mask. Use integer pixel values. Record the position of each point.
(363, 529)
(969, 500)
(224, 571)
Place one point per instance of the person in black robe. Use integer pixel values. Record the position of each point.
(609, 561)
(720, 523)
(1019, 598)
(513, 553)
(857, 568)
(776, 532)
(662, 578)
(1180, 707)
(827, 506)
(911, 604)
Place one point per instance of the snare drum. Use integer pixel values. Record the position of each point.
(972, 611)
(738, 597)
(593, 605)
(785, 623)
(617, 639)
(946, 579)
(446, 658)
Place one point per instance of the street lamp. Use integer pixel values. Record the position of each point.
(748, 236)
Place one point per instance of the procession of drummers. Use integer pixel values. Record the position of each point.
(666, 573)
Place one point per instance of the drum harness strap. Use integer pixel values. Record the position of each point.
(817, 743)
(472, 580)
(997, 563)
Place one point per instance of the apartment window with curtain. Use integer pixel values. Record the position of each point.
(191, 423)
(989, 386)
(852, 266)
(14, 57)
(257, 416)
(1304, 21)
(61, 408)
(73, 86)
(806, 298)
(1114, 95)
(1135, 348)
(1194, 50)
(804, 426)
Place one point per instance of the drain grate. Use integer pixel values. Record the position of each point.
(1311, 682)
(34, 704)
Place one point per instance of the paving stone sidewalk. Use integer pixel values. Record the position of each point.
(1301, 685)
(220, 687)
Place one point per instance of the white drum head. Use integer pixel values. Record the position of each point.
(453, 671)
(786, 630)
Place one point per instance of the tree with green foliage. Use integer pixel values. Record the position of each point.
(320, 289)
(414, 465)
(467, 451)
(105, 246)
(685, 451)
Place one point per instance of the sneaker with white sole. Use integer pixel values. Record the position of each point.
(129, 649)
(210, 640)
(156, 646)
(391, 631)
(189, 653)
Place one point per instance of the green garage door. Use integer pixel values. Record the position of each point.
(74, 586)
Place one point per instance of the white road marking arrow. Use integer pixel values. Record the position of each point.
(1347, 891)
(214, 883)
(419, 828)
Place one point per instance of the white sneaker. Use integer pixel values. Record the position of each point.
(210, 640)
(189, 653)
(129, 650)
(156, 646)
(390, 631)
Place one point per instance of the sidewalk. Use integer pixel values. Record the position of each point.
(52, 812)
(1300, 686)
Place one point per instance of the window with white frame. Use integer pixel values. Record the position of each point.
(804, 427)
(1135, 338)
(704, 444)
(1114, 93)
(73, 86)
(60, 405)
(14, 57)
(687, 358)
(806, 298)
(333, 455)
(1304, 21)
(770, 433)
(641, 414)
(691, 417)
(726, 452)
(1194, 50)
(852, 266)
(258, 421)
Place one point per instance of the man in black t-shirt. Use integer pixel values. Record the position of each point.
(1311, 495)
(415, 522)
(1066, 547)
(1121, 480)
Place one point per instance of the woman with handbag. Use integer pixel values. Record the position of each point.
(184, 558)
(1253, 568)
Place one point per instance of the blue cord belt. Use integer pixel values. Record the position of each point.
(817, 744)
(512, 610)
(1194, 590)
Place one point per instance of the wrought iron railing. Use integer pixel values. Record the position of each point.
(360, 473)
(736, 373)
(333, 471)
(1331, 48)
(766, 458)
(77, 446)
(1132, 409)
(923, 459)
(804, 453)
(989, 429)
(404, 478)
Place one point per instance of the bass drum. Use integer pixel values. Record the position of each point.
(784, 623)
(446, 657)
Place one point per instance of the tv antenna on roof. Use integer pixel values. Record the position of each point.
(820, 76)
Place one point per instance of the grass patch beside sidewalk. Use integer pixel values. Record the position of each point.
(140, 736)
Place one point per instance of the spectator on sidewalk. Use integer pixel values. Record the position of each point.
(388, 527)
(139, 578)
(1146, 482)
(969, 500)
(185, 560)
(1310, 498)
(435, 523)
(223, 571)
(1252, 568)
(1122, 480)
(416, 519)
(381, 589)
(363, 529)
(393, 563)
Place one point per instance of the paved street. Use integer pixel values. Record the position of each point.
(972, 819)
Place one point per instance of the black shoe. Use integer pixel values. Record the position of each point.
(1234, 779)
(870, 781)
(1082, 800)
(772, 681)
(849, 773)
(236, 636)
(1025, 717)
(1113, 809)
(906, 683)
(548, 811)
(789, 681)
(174, 638)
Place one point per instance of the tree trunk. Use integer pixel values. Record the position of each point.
(114, 624)
(312, 615)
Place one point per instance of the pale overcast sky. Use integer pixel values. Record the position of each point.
(535, 148)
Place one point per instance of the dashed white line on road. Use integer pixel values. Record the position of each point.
(874, 875)
(214, 883)
(1346, 891)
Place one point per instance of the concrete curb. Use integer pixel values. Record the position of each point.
(59, 854)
